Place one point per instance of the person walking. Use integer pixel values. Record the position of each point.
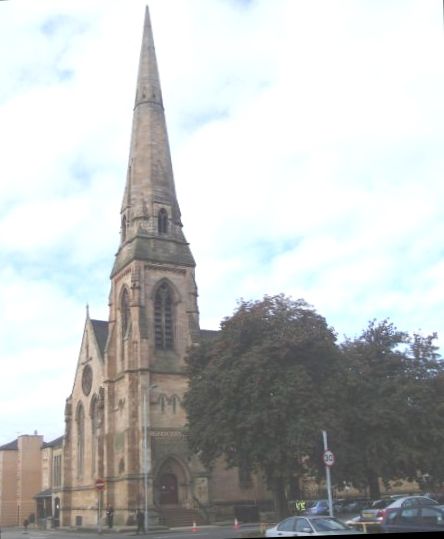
(140, 518)
(109, 515)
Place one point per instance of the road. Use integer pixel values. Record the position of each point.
(212, 532)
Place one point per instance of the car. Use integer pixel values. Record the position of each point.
(310, 525)
(378, 509)
(419, 518)
(355, 506)
(317, 507)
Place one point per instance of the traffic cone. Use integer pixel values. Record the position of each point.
(236, 524)
(194, 528)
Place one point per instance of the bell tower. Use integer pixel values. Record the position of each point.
(153, 319)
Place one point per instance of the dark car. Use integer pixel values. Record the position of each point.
(355, 506)
(422, 518)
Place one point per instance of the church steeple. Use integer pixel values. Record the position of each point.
(150, 215)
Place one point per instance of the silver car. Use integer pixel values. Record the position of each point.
(307, 525)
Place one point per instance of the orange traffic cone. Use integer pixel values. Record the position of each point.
(194, 528)
(236, 524)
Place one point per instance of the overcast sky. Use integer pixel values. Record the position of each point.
(307, 144)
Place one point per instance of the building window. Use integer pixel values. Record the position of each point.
(80, 440)
(125, 312)
(163, 318)
(162, 221)
(57, 471)
(94, 434)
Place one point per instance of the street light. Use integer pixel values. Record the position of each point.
(145, 447)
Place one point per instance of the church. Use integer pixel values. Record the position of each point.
(124, 420)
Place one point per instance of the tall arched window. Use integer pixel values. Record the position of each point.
(94, 433)
(162, 221)
(163, 318)
(80, 439)
(125, 312)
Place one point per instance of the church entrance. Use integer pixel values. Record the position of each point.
(168, 494)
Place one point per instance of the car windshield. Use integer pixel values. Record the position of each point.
(328, 524)
(316, 503)
(380, 504)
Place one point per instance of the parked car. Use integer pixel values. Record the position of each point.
(355, 506)
(317, 507)
(419, 518)
(378, 509)
(310, 525)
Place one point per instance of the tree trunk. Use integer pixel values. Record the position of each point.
(280, 498)
(373, 484)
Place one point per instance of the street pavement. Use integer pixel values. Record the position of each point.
(212, 532)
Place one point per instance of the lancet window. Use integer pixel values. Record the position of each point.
(80, 439)
(163, 318)
(125, 312)
(162, 221)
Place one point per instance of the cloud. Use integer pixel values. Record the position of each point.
(307, 147)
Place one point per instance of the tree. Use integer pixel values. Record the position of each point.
(393, 420)
(261, 393)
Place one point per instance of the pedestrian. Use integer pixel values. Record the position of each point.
(25, 523)
(109, 515)
(140, 517)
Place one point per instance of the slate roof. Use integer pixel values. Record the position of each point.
(208, 334)
(54, 443)
(11, 446)
(101, 332)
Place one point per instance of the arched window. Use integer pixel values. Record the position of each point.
(162, 221)
(163, 318)
(94, 433)
(123, 231)
(125, 312)
(80, 439)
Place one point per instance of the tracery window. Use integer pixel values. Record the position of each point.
(163, 318)
(94, 433)
(80, 439)
(162, 221)
(125, 312)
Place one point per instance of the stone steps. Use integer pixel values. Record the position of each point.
(176, 517)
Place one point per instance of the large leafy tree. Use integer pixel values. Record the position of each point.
(262, 391)
(391, 385)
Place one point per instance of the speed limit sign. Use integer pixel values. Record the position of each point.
(328, 457)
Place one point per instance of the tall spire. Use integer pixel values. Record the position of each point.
(150, 214)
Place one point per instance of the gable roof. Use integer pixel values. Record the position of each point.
(58, 442)
(11, 446)
(100, 328)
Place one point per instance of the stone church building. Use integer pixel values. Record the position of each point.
(130, 377)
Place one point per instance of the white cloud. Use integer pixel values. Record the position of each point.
(307, 147)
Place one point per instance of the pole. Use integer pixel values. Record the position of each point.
(327, 473)
(145, 458)
(99, 520)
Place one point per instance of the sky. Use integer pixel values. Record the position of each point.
(307, 144)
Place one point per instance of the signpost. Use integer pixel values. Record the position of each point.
(100, 485)
(329, 459)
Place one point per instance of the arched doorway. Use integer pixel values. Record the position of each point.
(172, 482)
(168, 492)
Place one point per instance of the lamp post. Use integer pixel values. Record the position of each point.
(146, 400)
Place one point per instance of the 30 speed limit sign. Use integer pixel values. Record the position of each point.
(328, 457)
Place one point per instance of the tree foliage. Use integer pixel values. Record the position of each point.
(263, 390)
(390, 382)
